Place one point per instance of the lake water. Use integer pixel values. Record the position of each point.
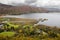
(53, 18)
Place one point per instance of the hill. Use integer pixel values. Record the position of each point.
(8, 9)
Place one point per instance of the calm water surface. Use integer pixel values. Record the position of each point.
(53, 18)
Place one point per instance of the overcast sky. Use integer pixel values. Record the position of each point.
(34, 2)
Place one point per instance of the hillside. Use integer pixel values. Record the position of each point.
(8, 9)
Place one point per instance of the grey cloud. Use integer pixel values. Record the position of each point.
(30, 1)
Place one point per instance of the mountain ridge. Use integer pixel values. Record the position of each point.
(8, 9)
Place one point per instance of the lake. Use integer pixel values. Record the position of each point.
(53, 18)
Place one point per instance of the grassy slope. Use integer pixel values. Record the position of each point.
(29, 32)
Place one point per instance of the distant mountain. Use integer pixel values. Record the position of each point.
(8, 9)
(53, 9)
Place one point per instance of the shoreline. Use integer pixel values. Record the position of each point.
(24, 21)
